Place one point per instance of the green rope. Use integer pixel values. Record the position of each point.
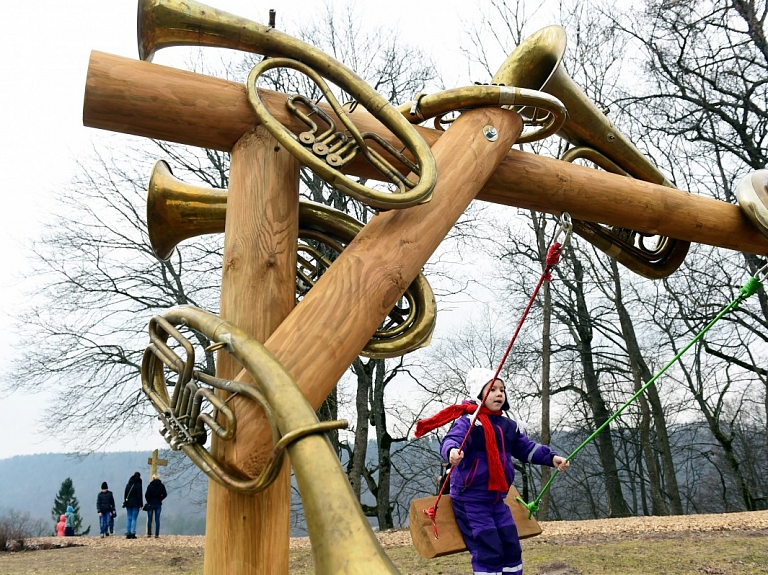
(749, 289)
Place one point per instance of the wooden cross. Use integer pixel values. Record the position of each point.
(154, 462)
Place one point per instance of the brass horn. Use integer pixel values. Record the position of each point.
(537, 64)
(177, 211)
(752, 195)
(427, 106)
(347, 546)
(325, 149)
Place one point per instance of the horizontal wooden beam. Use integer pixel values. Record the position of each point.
(144, 99)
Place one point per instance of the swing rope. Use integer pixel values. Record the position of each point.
(749, 289)
(552, 259)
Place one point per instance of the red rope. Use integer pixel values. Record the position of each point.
(552, 259)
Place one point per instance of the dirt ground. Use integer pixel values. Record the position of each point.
(183, 554)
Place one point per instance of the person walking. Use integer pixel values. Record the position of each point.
(155, 494)
(105, 505)
(69, 524)
(132, 502)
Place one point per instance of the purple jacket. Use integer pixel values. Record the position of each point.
(469, 479)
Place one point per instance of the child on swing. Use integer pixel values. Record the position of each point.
(483, 472)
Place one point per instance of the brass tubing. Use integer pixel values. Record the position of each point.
(134, 97)
(342, 540)
(192, 208)
(164, 23)
(225, 432)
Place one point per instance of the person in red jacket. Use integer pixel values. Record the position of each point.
(61, 526)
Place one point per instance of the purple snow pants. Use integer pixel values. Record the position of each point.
(490, 535)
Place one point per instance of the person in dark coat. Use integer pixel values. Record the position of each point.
(155, 494)
(105, 505)
(483, 471)
(133, 502)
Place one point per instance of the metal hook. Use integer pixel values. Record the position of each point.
(763, 270)
(566, 227)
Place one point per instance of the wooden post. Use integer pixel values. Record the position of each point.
(154, 462)
(249, 534)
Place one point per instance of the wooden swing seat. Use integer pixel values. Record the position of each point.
(450, 539)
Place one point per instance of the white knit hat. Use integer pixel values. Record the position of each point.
(477, 378)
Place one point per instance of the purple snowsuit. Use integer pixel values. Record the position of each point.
(484, 519)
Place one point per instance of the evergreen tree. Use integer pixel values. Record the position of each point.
(64, 498)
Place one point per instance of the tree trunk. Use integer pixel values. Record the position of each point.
(730, 456)
(364, 372)
(583, 327)
(635, 361)
(329, 411)
(546, 347)
(384, 442)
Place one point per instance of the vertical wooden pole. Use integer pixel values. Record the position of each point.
(249, 534)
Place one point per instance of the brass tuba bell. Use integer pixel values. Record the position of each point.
(326, 149)
(537, 64)
(177, 211)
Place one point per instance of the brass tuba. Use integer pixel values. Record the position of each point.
(536, 64)
(177, 211)
(164, 23)
(347, 546)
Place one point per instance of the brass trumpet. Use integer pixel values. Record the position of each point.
(164, 23)
(177, 211)
(536, 64)
(347, 546)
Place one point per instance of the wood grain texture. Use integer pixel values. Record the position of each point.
(249, 534)
(145, 99)
(319, 340)
(449, 539)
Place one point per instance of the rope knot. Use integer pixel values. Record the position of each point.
(751, 287)
(432, 514)
(553, 254)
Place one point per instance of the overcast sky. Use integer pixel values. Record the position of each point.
(44, 51)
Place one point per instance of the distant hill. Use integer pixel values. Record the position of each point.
(30, 483)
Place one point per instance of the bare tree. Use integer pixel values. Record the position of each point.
(705, 107)
(98, 283)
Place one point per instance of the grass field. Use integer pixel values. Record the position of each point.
(640, 546)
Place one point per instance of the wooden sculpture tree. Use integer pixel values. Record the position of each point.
(316, 341)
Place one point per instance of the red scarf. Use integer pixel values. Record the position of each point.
(496, 481)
